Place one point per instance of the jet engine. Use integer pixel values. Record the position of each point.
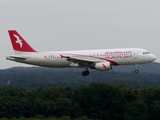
(104, 66)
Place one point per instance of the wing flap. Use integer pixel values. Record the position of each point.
(82, 61)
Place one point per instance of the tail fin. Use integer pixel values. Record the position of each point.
(18, 43)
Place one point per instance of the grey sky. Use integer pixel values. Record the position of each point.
(54, 25)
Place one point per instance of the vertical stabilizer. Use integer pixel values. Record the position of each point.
(18, 43)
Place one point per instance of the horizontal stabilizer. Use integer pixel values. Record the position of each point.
(13, 57)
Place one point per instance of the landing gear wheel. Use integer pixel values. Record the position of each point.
(136, 71)
(85, 73)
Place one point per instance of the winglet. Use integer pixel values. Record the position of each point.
(18, 43)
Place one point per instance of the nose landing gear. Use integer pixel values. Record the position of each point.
(136, 71)
(135, 67)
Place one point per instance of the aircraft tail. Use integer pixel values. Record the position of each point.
(18, 43)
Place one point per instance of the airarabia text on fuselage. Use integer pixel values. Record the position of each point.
(119, 54)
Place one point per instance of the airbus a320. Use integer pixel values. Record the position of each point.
(101, 59)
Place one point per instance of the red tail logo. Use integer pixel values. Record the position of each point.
(18, 43)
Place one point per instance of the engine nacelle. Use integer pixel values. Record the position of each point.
(104, 66)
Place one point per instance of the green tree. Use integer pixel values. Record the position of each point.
(130, 94)
(101, 101)
(137, 111)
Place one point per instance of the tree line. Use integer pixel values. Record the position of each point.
(96, 101)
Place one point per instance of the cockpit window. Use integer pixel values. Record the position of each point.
(144, 53)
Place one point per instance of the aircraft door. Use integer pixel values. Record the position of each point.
(135, 54)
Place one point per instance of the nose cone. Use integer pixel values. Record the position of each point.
(153, 57)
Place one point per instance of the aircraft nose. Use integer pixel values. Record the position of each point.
(153, 57)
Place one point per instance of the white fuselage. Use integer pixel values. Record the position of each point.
(125, 56)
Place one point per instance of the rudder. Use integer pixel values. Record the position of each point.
(18, 43)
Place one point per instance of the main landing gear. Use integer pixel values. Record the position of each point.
(135, 67)
(85, 72)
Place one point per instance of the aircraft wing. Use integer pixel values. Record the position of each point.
(82, 61)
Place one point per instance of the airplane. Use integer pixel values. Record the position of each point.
(100, 59)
